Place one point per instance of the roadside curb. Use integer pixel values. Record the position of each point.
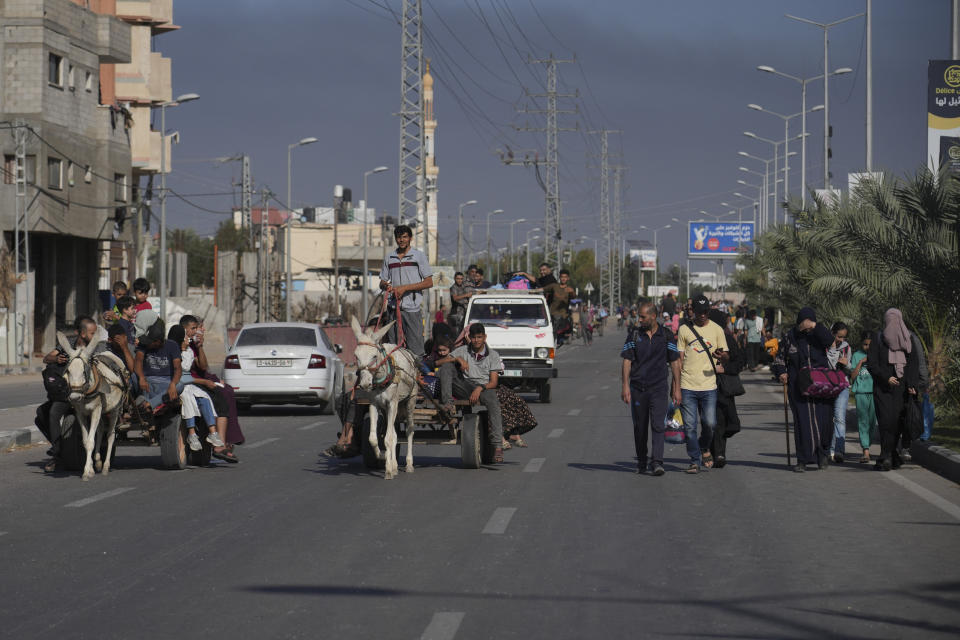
(937, 459)
(20, 437)
(21, 371)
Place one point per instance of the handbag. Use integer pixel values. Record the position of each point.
(913, 417)
(821, 382)
(673, 426)
(727, 384)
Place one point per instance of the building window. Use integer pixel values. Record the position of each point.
(120, 187)
(70, 173)
(9, 169)
(30, 167)
(71, 79)
(88, 82)
(55, 173)
(55, 70)
(87, 174)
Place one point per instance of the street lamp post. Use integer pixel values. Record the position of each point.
(366, 241)
(656, 249)
(803, 119)
(187, 97)
(826, 89)
(766, 184)
(529, 242)
(489, 254)
(786, 141)
(786, 159)
(512, 224)
(460, 233)
(288, 236)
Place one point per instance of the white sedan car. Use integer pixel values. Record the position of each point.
(284, 363)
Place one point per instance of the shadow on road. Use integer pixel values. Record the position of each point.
(355, 467)
(778, 610)
(629, 467)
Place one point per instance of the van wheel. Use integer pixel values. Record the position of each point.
(545, 393)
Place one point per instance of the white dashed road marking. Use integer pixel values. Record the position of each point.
(556, 433)
(604, 387)
(3, 533)
(500, 519)
(573, 412)
(534, 465)
(443, 625)
(590, 397)
(260, 443)
(926, 494)
(99, 497)
(307, 427)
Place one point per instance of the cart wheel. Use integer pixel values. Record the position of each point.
(173, 444)
(486, 447)
(72, 454)
(545, 392)
(471, 441)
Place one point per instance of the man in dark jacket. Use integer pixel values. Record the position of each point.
(647, 354)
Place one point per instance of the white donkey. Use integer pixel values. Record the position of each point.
(390, 373)
(96, 392)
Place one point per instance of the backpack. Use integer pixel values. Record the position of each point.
(55, 383)
(518, 282)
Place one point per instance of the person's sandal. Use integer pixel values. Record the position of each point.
(225, 454)
(707, 460)
(519, 442)
(505, 445)
(498, 456)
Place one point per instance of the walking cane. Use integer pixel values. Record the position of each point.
(786, 424)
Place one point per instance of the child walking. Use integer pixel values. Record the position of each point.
(861, 385)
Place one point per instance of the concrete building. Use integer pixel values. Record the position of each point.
(73, 166)
(140, 85)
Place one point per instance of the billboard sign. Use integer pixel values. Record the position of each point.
(724, 239)
(943, 115)
(648, 259)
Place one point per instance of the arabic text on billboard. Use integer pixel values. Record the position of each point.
(943, 115)
(719, 238)
(648, 259)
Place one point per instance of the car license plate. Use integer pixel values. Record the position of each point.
(274, 362)
(512, 373)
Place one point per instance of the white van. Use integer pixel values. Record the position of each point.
(518, 327)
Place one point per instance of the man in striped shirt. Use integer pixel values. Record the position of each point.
(405, 273)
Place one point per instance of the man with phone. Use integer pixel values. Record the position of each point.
(703, 350)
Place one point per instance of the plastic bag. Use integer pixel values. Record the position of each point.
(674, 433)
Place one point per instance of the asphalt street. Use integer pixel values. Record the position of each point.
(561, 541)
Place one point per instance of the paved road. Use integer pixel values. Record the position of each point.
(562, 541)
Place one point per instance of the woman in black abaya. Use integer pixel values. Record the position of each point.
(805, 345)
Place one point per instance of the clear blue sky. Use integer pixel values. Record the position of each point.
(674, 76)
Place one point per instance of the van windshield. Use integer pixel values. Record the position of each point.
(530, 314)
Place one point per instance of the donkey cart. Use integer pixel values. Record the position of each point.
(469, 428)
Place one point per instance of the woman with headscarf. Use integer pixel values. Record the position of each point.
(805, 345)
(894, 364)
(728, 422)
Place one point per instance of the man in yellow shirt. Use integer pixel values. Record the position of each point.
(703, 350)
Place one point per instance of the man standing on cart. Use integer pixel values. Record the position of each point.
(405, 274)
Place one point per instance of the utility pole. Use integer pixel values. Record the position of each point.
(617, 220)
(607, 233)
(870, 84)
(412, 192)
(549, 180)
(21, 244)
(263, 267)
(246, 201)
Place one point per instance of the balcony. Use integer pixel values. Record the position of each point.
(157, 13)
(158, 83)
(113, 40)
